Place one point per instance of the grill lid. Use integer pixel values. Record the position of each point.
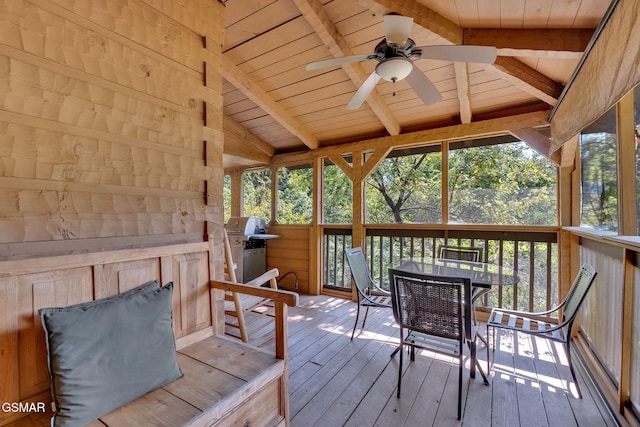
(245, 225)
(250, 227)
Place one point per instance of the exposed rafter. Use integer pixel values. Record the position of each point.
(527, 79)
(244, 83)
(544, 43)
(537, 141)
(238, 141)
(314, 13)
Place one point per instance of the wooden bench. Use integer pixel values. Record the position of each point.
(226, 382)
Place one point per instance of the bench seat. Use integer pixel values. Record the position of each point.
(220, 375)
(225, 382)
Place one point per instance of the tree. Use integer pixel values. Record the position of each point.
(337, 196)
(492, 184)
(405, 189)
(256, 186)
(501, 184)
(599, 180)
(295, 195)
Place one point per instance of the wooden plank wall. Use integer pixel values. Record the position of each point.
(28, 285)
(109, 133)
(290, 253)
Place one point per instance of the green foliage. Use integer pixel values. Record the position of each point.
(494, 184)
(226, 197)
(256, 185)
(295, 195)
(599, 198)
(501, 184)
(405, 189)
(337, 196)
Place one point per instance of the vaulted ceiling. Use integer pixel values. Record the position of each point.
(272, 104)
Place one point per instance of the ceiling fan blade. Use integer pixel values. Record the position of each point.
(336, 61)
(454, 53)
(423, 87)
(397, 28)
(364, 91)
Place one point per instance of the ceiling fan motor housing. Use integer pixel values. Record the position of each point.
(385, 50)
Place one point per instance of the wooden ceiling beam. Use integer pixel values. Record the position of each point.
(474, 130)
(313, 12)
(464, 92)
(246, 85)
(538, 142)
(238, 141)
(544, 43)
(527, 79)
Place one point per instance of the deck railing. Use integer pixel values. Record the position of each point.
(532, 255)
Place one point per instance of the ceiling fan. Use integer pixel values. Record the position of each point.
(395, 55)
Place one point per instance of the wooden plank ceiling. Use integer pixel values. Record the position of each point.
(273, 105)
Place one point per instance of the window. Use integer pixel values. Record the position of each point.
(295, 195)
(501, 181)
(256, 186)
(226, 197)
(406, 187)
(599, 198)
(337, 195)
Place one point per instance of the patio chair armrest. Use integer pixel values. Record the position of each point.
(535, 314)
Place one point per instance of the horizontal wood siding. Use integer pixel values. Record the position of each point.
(102, 134)
(290, 253)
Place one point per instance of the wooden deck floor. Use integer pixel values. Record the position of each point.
(334, 381)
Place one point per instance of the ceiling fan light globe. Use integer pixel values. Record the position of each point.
(394, 69)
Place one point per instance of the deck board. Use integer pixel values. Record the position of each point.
(334, 381)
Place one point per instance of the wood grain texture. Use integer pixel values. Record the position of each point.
(101, 117)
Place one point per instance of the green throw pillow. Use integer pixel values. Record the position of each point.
(107, 352)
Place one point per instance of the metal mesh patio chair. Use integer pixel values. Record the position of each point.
(534, 323)
(429, 311)
(472, 254)
(461, 253)
(368, 293)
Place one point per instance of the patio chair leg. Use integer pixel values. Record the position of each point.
(487, 346)
(474, 356)
(400, 370)
(365, 317)
(460, 362)
(355, 325)
(573, 373)
(396, 351)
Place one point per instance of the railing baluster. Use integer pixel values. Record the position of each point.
(384, 247)
(532, 251)
(548, 275)
(516, 246)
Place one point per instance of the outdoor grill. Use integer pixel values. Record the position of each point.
(248, 241)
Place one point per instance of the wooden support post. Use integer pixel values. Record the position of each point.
(627, 328)
(315, 231)
(358, 233)
(627, 203)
